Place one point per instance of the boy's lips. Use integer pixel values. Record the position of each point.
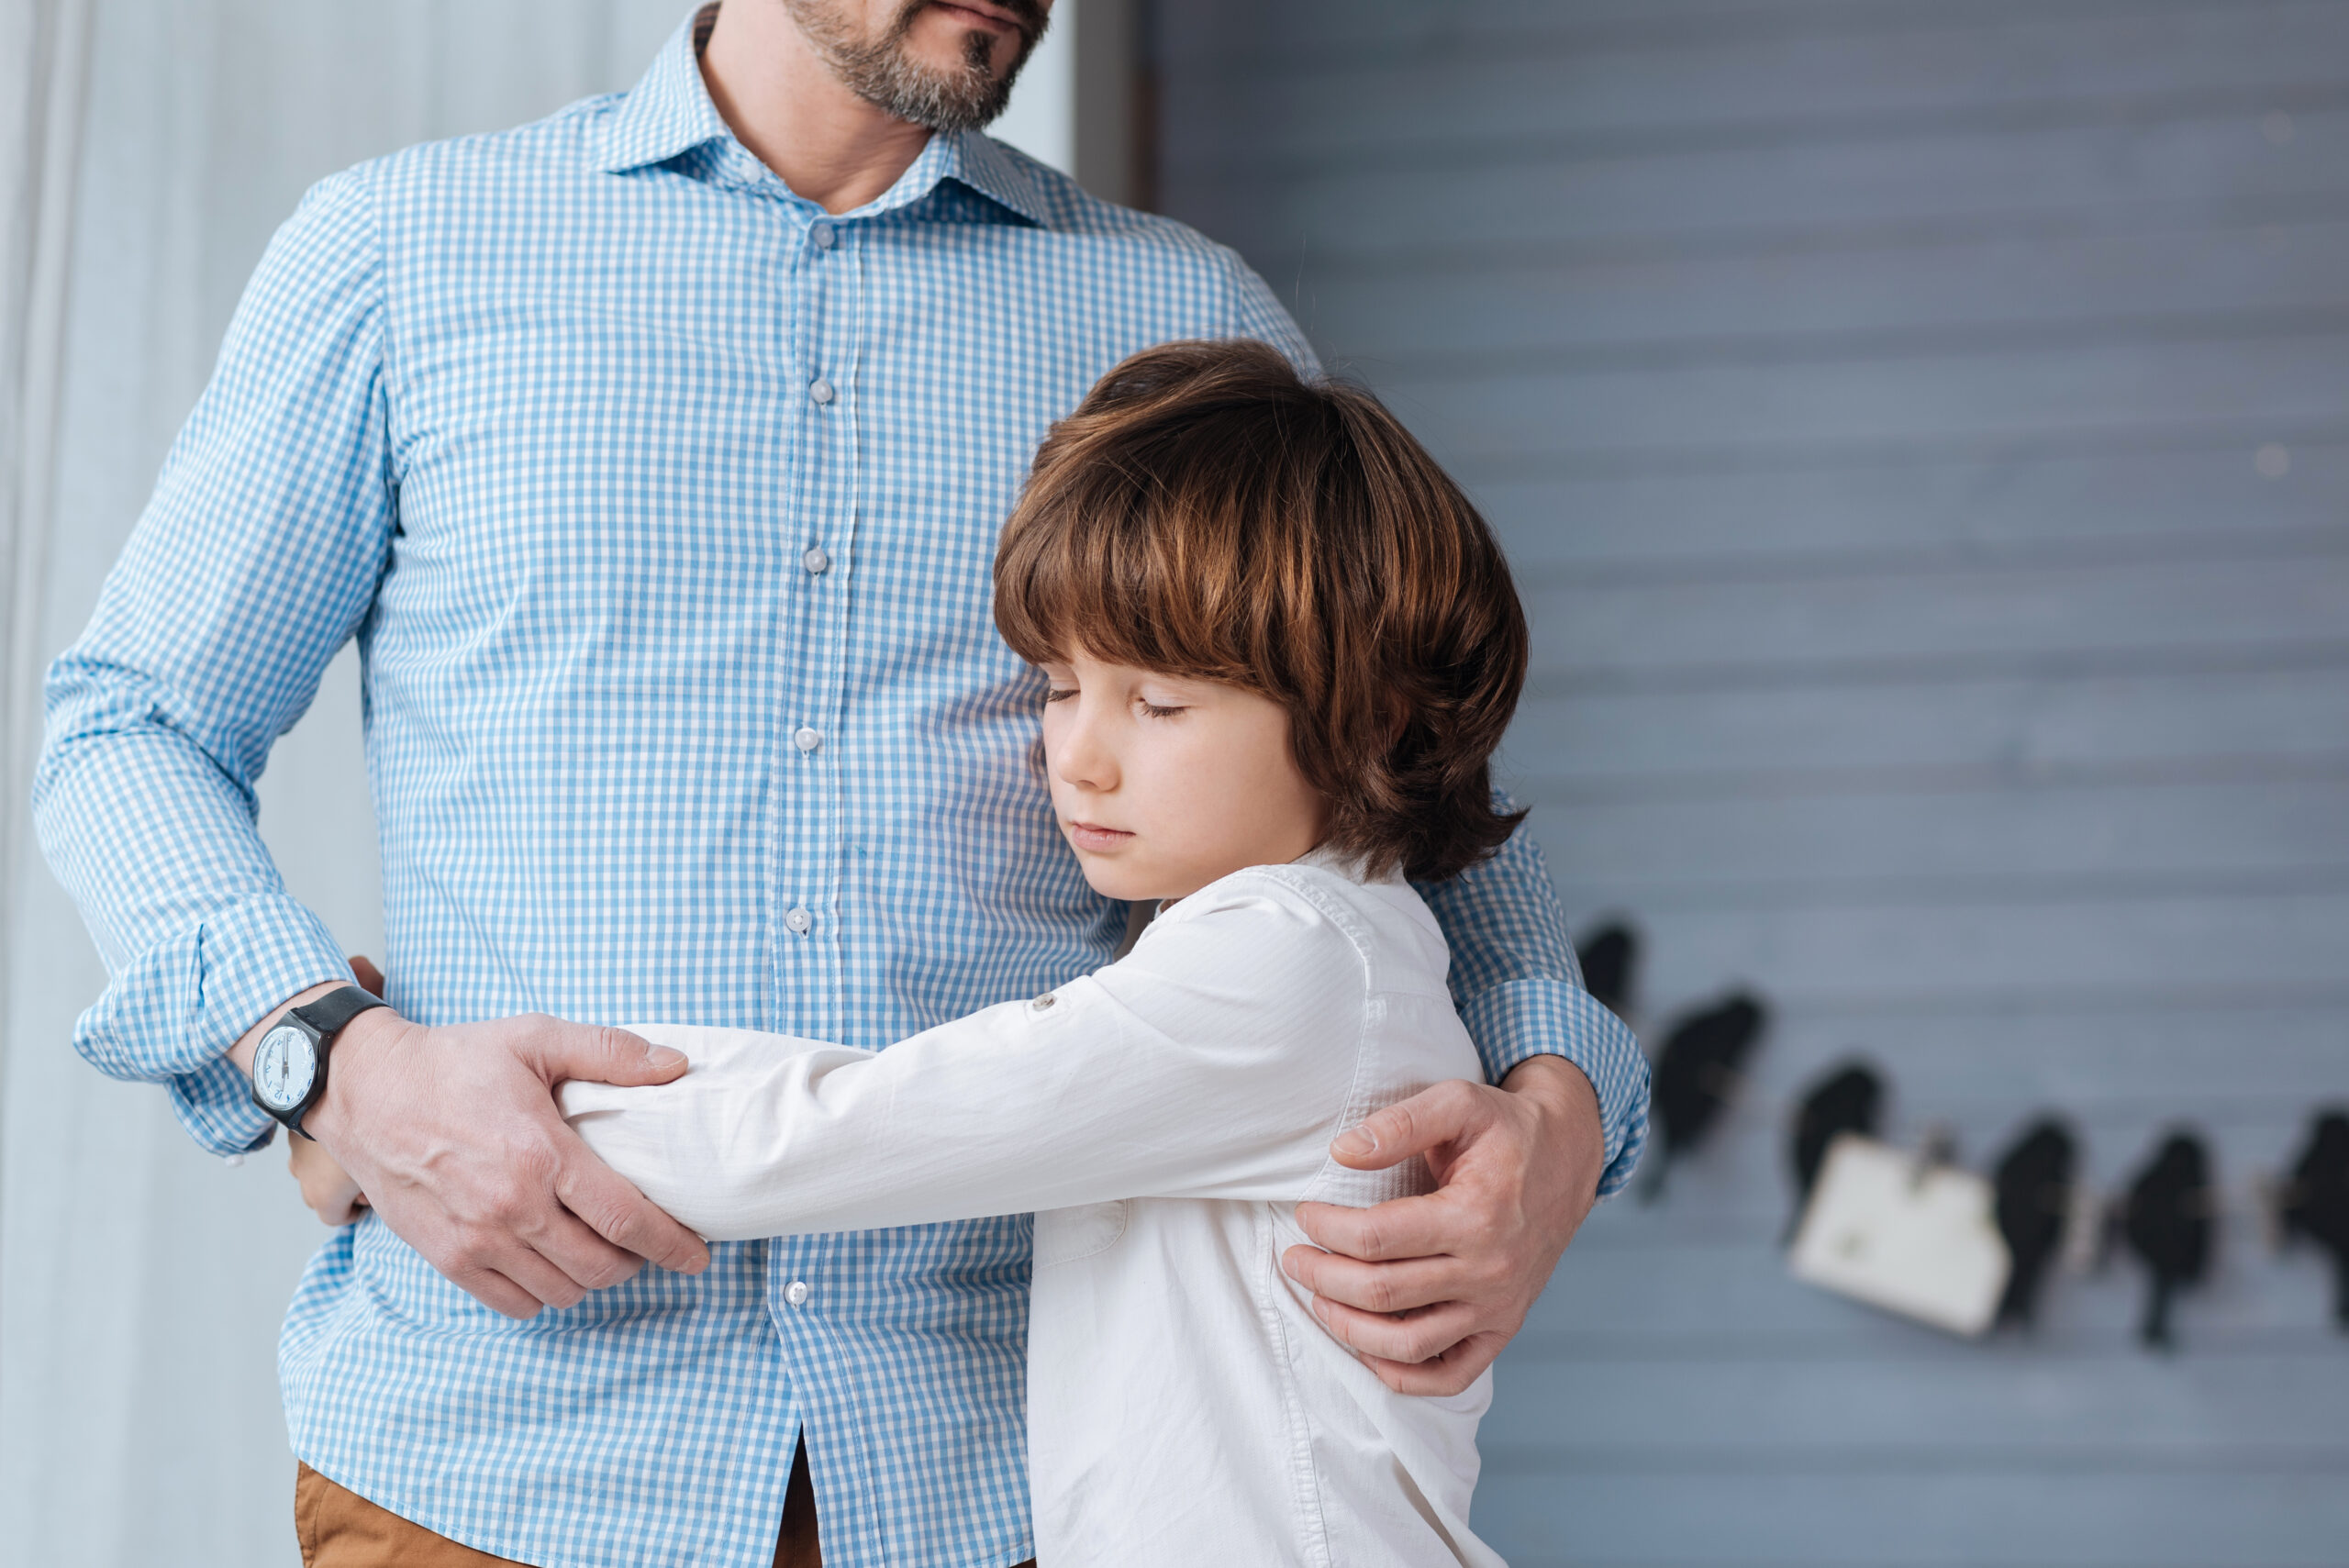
(1093, 836)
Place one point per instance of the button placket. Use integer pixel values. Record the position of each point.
(813, 824)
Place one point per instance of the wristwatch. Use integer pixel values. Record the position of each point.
(290, 1067)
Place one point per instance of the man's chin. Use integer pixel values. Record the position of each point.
(945, 42)
(944, 53)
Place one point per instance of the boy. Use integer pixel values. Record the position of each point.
(1279, 648)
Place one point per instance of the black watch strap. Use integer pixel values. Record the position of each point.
(325, 1018)
(332, 1013)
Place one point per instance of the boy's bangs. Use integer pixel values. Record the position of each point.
(1106, 565)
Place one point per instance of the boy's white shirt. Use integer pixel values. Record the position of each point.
(1163, 1115)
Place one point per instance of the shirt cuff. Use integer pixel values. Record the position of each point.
(173, 1011)
(1544, 1017)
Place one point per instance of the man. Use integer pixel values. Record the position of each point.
(655, 454)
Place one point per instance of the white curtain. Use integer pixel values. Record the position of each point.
(148, 148)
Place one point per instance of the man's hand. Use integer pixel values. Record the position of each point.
(454, 1137)
(1427, 1290)
(327, 1187)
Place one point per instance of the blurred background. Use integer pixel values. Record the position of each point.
(1921, 431)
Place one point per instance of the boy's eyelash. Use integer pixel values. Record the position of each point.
(1061, 693)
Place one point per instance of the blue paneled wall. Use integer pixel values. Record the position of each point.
(1923, 433)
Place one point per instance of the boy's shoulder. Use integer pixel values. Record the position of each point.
(1381, 924)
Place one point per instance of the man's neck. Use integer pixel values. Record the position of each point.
(783, 101)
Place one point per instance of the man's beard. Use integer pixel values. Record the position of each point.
(879, 71)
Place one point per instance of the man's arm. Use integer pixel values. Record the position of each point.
(1429, 1289)
(1514, 976)
(257, 559)
(1518, 988)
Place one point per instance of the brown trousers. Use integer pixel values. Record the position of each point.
(339, 1528)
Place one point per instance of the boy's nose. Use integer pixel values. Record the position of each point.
(1083, 760)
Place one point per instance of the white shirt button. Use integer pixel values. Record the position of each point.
(797, 1293)
(1043, 1003)
(807, 740)
(816, 560)
(823, 236)
(821, 390)
(799, 921)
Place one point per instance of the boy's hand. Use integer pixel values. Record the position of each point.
(325, 1186)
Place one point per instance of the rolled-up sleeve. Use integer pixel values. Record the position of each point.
(1519, 991)
(257, 559)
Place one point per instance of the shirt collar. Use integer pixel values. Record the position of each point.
(669, 112)
(1352, 867)
(995, 172)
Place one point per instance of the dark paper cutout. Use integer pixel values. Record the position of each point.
(2034, 1183)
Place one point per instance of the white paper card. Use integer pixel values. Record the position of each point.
(1922, 1242)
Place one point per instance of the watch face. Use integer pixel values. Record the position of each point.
(284, 1067)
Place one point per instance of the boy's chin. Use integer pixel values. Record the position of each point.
(1111, 880)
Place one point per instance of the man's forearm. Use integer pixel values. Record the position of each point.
(1562, 1087)
(240, 1055)
(1573, 1132)
(1520, 992)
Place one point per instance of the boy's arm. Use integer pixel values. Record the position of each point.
(1216, 1061)
(1428, 1290)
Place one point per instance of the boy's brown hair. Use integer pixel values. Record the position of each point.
(1208, 512)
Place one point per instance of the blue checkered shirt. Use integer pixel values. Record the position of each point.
(663, 505)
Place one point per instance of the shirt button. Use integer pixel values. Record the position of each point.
(1043, 1003)
(823, 236)
(799, 921)
(807, 740)
(821, 390)
(816, 560)
(797, 1293)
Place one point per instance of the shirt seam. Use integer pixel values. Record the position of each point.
(1305, 1476)
(1349, 924)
